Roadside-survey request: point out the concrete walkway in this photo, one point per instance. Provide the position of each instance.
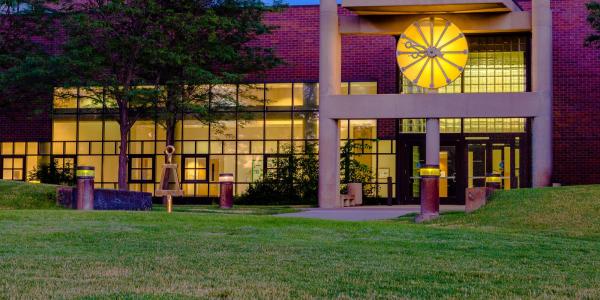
(365, 213)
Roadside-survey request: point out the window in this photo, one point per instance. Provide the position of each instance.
(497, 64)
(13, 168)
(141, 168)
(65, 163)
(273, 165)
(195, 168)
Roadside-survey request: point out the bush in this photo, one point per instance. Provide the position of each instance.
(297, 178)
(49, 173)
(295, 182)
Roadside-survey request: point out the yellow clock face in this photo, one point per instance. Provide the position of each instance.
(432, 52)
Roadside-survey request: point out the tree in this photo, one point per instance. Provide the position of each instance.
(593, 40)
(205, 44)
(108, 45)
(26, 27)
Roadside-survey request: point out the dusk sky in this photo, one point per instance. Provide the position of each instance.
(298, 2)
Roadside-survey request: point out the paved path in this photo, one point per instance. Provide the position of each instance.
(364, 213)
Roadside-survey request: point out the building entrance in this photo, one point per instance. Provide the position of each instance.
(464, 162)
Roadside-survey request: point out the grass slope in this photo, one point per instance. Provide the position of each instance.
(573, 211)
(21, 195)
(69, 254)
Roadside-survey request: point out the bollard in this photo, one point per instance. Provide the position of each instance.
(85, 188)
(430, 193)
(389, 191)
(226, 186)
(493, 181)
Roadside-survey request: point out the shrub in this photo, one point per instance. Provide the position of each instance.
(296, 180)
(49, 173)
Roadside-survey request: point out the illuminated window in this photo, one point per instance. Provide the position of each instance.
(494, 125)
(141, 168)
(363, 88)
(195, 168)
(142, 130)
(90, 130)
(64, 130)
(467, 125)
(252, 95)
(65, 98)
(91, 98)
(251, 129)
(274, 165)
(279, 94)
(496, 64)
(13, 167)
(65, 163)
(194, 130)
(278, 126)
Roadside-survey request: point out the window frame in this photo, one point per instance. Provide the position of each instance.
(278, 156)
(131, 157)
(61, 156)
(183, 168)
(23, 169)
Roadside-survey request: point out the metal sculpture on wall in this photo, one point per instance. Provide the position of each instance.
(432, 52)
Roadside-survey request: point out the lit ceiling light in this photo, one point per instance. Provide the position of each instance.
(432, 52)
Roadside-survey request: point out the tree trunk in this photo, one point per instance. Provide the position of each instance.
(170, 122)
(123, 159)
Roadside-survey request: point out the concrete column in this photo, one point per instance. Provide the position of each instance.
(329, 84)
(432, 142)
(541, 69)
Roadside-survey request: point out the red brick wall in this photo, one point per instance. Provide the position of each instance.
(32, 122)
(297, 43)
(576, 95)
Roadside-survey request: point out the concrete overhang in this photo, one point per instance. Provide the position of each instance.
(468, 23)
(398, 106)
(401, 7)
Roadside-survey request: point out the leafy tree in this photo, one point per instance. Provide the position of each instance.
(593, 40)
(106, 54)
(25, 29)
(204, 44)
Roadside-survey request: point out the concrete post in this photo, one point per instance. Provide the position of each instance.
(541, 60)
(430, 175)
(329, 84)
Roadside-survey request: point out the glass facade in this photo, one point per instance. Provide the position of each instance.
(271, 119)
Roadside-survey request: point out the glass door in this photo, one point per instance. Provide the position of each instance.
(493, 159)
(415, 160)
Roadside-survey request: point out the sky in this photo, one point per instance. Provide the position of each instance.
(298, 2)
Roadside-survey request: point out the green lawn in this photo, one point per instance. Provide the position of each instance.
(525, 244)
(20, 195)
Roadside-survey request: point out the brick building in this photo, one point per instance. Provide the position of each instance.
(73, 131)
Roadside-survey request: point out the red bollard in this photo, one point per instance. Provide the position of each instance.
(430, 194)
(226, 185)
(85, 188)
